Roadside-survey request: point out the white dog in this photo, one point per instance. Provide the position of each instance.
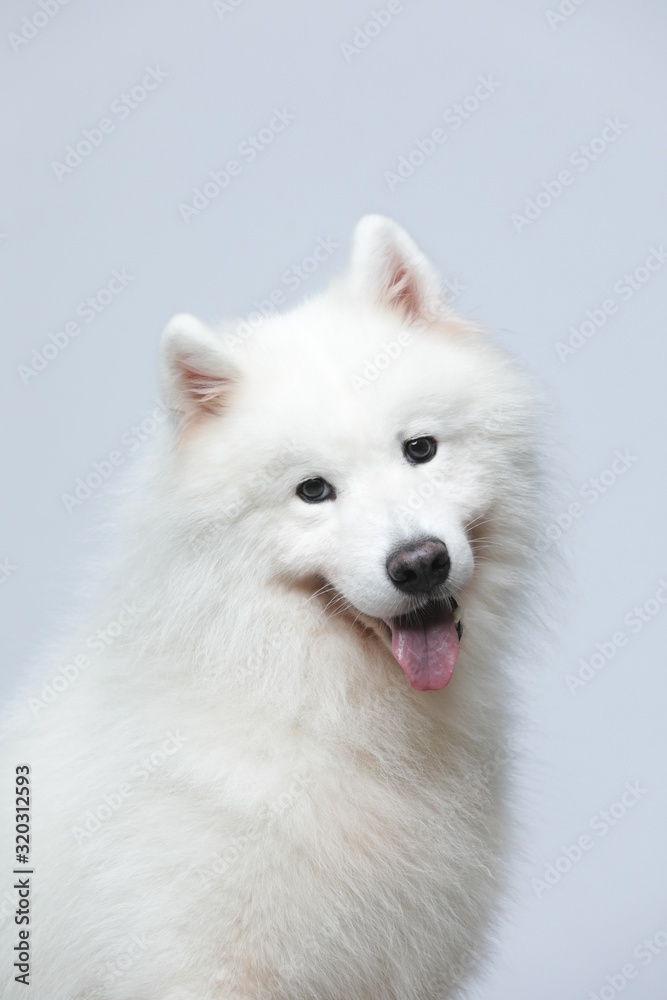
(266, 768)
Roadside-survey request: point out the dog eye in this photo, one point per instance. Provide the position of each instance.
(420, 450)
(315, 490)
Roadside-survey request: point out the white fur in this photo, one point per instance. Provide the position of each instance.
(324, 831)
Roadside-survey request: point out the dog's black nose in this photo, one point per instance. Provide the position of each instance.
(418, 568)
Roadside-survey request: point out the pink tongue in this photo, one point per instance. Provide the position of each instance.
(426, 651)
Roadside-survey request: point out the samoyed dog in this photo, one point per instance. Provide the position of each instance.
(265, 766)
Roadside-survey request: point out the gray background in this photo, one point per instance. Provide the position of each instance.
(355, 117)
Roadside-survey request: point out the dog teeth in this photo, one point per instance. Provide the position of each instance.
(457, 614)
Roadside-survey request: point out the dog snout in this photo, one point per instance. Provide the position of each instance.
(419, 567)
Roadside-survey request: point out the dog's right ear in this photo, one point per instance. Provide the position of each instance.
(196, 373)
(387, 267)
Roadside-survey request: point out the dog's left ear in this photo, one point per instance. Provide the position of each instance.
(197, 375)
(387, 267)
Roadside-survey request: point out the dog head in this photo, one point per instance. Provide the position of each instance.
(368, 443)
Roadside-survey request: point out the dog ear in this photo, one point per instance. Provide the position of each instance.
(196, 373)
(388, 267)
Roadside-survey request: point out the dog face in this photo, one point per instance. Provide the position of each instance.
(368, 442)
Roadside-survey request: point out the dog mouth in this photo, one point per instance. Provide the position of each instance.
(426, 642)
